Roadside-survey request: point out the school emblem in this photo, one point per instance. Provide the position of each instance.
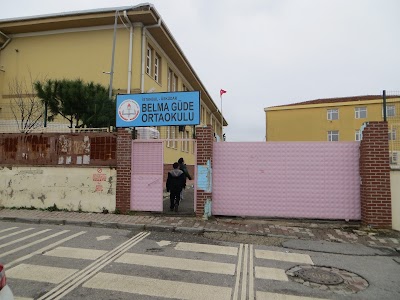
(129, 110)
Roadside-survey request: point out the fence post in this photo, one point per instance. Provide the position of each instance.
(375, 194)
(205, 140)
(124, 153)
(384, 106)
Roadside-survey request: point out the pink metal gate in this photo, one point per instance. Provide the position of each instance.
(287, 179)
(147, 176)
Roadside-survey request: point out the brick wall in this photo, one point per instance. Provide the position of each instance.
(205, 139)
(375, 192)
(124, 153)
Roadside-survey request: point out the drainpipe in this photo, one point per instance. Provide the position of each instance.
(113, 54)
(7, 41)
(128, 91)
(144, 50)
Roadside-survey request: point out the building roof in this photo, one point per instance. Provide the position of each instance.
(338, 100)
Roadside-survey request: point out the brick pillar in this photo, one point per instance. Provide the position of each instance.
(376, 207)
(205, 139)
(124, 152)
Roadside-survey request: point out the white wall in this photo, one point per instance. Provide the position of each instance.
(395, 189)
(86, 189)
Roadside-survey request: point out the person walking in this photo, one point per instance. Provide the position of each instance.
(175, 183)
(183, 168)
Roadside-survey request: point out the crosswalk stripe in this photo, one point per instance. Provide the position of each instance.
(251, 274)
(8, 229)
(177, 263)
(271, 273)
(244, 273)
(77, 253)
(33, 243)
(23, 238)
(77, 279)
(282, 256)
(8, 265)
(274, 296)
(39, 273)
(238, 273)
(203, 248)
(157, 287)
(15, 233)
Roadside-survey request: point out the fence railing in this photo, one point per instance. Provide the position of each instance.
(10, 126)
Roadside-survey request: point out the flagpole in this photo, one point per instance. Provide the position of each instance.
(222, 121)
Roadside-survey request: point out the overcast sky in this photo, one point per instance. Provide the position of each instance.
(271, 52)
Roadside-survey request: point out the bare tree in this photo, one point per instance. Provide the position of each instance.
(28, 110)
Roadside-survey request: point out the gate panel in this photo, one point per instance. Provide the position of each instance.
(293, 180)
(147, 176)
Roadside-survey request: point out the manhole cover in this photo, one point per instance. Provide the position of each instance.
(319, 276)
(328, 279)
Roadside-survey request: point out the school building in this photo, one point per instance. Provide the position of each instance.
(128, 48)
(334, 119)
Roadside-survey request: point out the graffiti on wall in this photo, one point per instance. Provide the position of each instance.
(58, 149)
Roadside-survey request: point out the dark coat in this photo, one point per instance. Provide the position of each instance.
(176, 181)
(184, 169)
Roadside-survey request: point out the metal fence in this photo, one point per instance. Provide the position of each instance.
(391, 113)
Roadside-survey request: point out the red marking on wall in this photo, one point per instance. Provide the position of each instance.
(99, 177)
(99, 188)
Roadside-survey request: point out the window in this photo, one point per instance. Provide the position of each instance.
(361, 112)
(333, 136)
(153, 64)
(392, 135)
(185, 142)
(184, 88)
(157, 60)
(148, 60)
(176, 135)
(168, 136)
(172, 81)
(390, 111)
(333, 114)
(202, 115)
(358, 135)
(394, 157)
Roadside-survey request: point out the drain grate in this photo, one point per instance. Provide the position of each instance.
(319, 276)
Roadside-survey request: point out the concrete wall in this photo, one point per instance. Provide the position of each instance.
(74, 188)
(395, 189)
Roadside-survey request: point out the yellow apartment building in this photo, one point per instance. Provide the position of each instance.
(333, 119)
(128, 48)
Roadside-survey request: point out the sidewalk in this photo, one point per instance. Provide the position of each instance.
(334, 231)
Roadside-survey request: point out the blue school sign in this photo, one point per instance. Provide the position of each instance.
(158, 109)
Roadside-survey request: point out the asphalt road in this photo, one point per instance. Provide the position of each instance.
(71, 262)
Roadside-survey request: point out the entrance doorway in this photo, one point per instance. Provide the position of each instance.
(152, 159)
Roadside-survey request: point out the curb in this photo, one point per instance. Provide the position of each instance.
(191, 230)
(51, 221)
(78, 223)
(130, 226)
(27, 220)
